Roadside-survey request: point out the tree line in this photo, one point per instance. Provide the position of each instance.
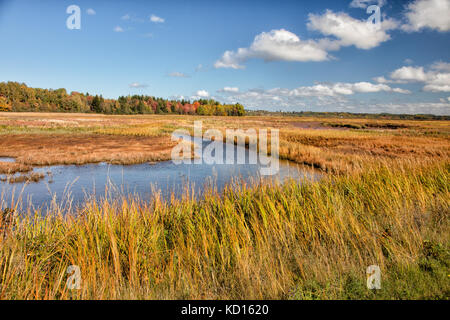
(18, 97)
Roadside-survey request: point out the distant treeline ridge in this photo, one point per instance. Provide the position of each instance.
(19, 97)
(347, 115)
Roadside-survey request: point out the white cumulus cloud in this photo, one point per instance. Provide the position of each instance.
(156, 19)
(408, 61)
(118, 29)
(138, 85)
(441, 66)
(427, 14)
(202, 93)
(435, 79)
(342, 88)
(409, 74)
(330, 97)
(438, 82)
(340, 30)
(90, 12)
(332, 94)
(229, 89)
(365, 3)
(283, 45)
(381, 80)
(178, 75)
(350, 31)
(274, 45)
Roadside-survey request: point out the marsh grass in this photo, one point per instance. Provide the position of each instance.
(44, 150)
(29, 177)
(309, 240)
(330, 144)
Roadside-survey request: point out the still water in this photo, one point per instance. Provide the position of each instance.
(74, 182)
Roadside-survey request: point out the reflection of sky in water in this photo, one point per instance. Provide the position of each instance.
(141, 179)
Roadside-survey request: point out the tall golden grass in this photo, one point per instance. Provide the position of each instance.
(308, 240)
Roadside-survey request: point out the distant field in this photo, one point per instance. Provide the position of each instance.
(330, 144)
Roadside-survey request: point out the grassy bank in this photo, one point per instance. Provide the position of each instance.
(296, 241)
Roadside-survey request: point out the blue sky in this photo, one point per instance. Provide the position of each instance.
(273, 55)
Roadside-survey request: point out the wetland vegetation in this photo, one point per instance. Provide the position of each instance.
(384, 199)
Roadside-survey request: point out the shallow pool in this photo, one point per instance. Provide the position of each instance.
(74, 182)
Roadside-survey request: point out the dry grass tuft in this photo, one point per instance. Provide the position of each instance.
(29, 177)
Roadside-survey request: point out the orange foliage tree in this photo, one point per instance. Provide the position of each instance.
(4, 105)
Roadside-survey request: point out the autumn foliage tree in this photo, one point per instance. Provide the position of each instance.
(4, 105)
(19, 97)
